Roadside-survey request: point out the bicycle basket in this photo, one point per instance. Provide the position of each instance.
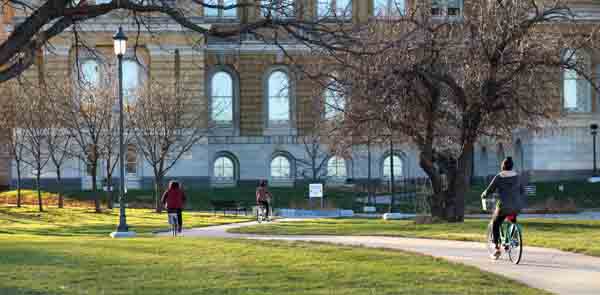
(172, 218)
(488, 205)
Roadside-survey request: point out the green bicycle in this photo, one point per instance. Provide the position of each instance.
(511, 237)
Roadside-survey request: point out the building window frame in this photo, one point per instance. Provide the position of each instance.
(571, 79)
(225, 180)
(279, 127)
(231, 14)
(398, 156)
(328, 9)
(223, 128)
(391, 8)
(290, 165)
(442, 8)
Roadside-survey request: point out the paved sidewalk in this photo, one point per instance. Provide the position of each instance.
(552, 270)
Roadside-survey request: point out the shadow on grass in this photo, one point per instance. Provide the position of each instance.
(22, 291)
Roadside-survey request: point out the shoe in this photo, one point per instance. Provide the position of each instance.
(496, 254)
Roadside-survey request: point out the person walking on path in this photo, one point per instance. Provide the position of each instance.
(509, 187)
(263, 197)
(174, 199)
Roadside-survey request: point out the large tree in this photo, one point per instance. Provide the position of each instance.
(442, 85)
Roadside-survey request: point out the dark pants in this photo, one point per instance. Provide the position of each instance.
(498, 219)
(266, 205)
(179, 218)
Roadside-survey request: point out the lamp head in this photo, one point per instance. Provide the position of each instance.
(594, 128)
(120, 42)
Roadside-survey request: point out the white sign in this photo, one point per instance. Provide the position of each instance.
(315, 190)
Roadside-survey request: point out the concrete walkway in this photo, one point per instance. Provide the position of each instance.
(552, 270)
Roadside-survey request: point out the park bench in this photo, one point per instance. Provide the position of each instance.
(220, 205)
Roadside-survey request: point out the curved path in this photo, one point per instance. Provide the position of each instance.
(552, 270)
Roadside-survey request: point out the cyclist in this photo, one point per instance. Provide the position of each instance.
(510, 189)
(174, 199)
(263, 197)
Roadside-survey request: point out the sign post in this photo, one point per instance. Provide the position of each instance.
(315, 190)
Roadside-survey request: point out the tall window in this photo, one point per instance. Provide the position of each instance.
(387, 166)
(224, 168)
(576, 89)
(131, 80)
(131, 165)
(222, 98)
(335, 101)
(279, 98)
(446, 7)
(389, 8)
(334, 8)
(218, 12)
(277, 8)
(336, 167)
(280, 167)
(90, 73)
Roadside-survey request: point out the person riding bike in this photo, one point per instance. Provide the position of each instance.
(174, 199)
(263, 197)
(510, 189)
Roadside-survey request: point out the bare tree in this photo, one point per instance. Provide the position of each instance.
(166, 124)
(87, 114)
(35, 131)
(59, 139)
(10, 117)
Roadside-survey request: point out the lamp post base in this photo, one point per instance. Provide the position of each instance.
(122, 234)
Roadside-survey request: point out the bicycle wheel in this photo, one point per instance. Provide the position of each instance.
(515, 249)
(491, 246)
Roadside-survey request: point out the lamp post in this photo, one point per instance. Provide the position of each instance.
(594, 132)
(120, 45)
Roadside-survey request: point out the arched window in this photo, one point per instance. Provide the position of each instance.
(224, 168)
(336, 167)
(280, 167)
(388, 8)
(131, 165)
(131, 81)
(335, 101)
(334, 8)
(215, 12)
(576, 89)
(278, 87)
(387, 166)
(90, 73)
(221, 86)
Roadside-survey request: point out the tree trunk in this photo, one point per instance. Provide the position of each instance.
(462, 182)
(18, 184)
(39, 191)
(110, 196)
(158, 188)
(95, 189)
(61, 203)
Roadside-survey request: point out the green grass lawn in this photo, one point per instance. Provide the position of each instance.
(67, 251)
(84, 222)
(201, 266)
(574, 236)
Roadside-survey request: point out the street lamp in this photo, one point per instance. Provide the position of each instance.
(594, 132)
(120, 46)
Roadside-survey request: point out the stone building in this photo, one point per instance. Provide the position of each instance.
(258, 136)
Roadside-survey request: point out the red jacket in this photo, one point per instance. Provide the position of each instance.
(173, 198)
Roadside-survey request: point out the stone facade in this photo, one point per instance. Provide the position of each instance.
(563, 150)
